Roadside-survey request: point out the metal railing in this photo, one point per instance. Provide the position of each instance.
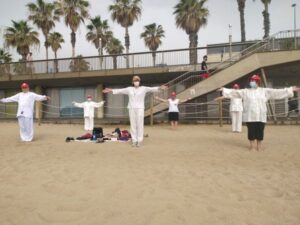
(284, 40)
(168, 58)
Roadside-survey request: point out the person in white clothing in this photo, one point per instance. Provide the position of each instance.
(173, 112)
(136, 106)
(236, 111)
(26, 100)
(88, 111)
(255, 99)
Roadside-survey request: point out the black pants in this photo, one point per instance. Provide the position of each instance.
(255, 131)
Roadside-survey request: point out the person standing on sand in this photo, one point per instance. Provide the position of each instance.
(236, 111)
(173, 112)
(26, 100)
(88, 111)
(255, 99)
(136, 106)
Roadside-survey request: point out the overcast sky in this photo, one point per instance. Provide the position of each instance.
(222, 13)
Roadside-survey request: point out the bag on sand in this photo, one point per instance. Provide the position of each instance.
(97, 133)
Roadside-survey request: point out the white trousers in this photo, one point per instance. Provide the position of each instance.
(236, 121)
(26, 128)
(89, 123)
(136, 117)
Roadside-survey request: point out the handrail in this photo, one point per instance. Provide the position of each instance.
(136, 53)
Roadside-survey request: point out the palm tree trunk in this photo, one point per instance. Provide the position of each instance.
(56, 62)
(193, 45)
(73, 41)
(47, 54)
(127, 44)
(154, 58)
(242, 19)
(115, 62)
(100, 52)
(266, 16)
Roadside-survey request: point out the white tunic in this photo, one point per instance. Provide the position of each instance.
(89, 107)
(173, 105)
(25, 103)
(255, 100)
(136, 95)
(236, 105)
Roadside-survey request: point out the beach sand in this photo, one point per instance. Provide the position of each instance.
(192, 176)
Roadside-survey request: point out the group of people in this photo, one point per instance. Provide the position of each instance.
(247, 105)
(254, 101)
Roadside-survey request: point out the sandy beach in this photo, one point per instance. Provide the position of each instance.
(195, 175)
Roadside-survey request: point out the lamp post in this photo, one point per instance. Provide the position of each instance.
(295, 35)
(230, 40)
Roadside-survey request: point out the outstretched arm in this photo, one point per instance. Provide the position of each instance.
(79, 105)
(156, 89)
(280, 93)
(40, 98)
(161, 99)
(14, 98)
(185, 100)
(124, 91)
(98, 104)
(219, 98)
(231, 93)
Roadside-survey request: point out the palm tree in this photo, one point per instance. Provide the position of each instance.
(241, 4)
(43, 15)
(152, 37)
(125, 12)
(266, 15)
(191, 15)
(5, 59)
(74, 12)
(114, 47)
(99, 34)
(55, 40)
(22, 37)
(79, 64)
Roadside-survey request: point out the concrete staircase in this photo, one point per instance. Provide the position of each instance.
(266, 53)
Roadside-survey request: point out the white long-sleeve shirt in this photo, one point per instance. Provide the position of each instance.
(236, 105)
(25, 102)
(255, 100)
(89, 107)
(136, 95)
